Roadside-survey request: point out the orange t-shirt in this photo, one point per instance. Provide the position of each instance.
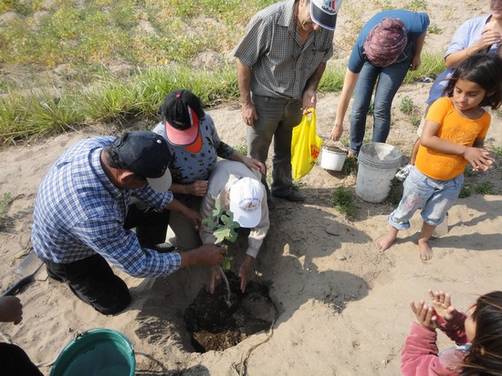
(453, 127)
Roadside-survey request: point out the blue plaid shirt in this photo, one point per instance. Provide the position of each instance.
(79, 212)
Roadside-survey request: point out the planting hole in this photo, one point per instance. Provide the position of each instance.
(214, 325)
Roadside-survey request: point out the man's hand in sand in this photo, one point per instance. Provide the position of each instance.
(214, 279)
(424, 314)
(245, 271)
(206, 254)
(441, 302)
(11, 309)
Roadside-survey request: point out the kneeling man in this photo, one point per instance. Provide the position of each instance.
(86, 205)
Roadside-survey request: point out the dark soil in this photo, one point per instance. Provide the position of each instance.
(216, 326)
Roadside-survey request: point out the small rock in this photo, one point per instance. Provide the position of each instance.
(208, 60)
(332, 230)
(147, 28)
(8, 18)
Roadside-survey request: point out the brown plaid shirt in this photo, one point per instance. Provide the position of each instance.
(281, 65)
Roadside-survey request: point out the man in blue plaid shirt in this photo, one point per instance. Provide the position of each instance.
(86, 205)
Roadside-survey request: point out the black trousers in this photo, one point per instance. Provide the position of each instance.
(14, 361)
(93, 281)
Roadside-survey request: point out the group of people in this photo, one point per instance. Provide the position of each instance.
(103, 187)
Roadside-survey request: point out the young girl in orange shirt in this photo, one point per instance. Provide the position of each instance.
(455, 128)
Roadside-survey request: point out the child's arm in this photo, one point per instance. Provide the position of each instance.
(420, 353)
(479, 158)
(448, 319)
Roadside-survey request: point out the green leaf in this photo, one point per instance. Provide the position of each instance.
(222, 234)
(210, 222)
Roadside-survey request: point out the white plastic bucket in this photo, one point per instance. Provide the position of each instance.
(378, 163)
(332, 159)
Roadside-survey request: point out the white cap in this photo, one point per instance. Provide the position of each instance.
(245, 197)
(323, 12)
(161, 184)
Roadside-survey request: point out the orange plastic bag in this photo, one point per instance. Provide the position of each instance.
(305, 146)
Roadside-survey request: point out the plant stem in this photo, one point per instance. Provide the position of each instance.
(227, 300)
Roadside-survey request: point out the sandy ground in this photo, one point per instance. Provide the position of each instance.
(343, 305)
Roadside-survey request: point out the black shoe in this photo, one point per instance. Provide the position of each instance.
(292, 195)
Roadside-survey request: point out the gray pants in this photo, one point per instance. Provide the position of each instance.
(276, 117)
(187, 237)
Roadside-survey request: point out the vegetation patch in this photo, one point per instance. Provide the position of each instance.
(5, 202)
(343, 201)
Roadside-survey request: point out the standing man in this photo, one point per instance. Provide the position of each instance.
(281, 60)
(86, 205)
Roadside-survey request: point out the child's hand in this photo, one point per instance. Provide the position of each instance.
(441, 302)
(479, 158)
(425, 315)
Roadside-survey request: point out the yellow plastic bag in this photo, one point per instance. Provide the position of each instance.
(305, 146)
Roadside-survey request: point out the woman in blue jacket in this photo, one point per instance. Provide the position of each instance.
(388, 45)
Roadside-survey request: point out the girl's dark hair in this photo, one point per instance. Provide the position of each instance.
(486, 71)
(485, 356)
(174, 109)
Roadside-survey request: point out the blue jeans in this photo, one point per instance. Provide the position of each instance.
(387, 80)
(433, 196)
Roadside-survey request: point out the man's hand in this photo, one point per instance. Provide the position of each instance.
(415, 62)
(442, 304)
(254, 164)
(248, 113)
(11, 309)
(198, 188)
(424, 314)
(479, 158)
(245, 271)
(309, 100)
(207, 254)
(336, 132)
(215, 279)
(193, 216)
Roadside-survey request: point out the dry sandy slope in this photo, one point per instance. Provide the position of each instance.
(344, 307)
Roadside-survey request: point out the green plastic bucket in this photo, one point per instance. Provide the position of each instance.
(97, 352)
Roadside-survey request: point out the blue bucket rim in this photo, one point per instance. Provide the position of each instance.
(79, 336)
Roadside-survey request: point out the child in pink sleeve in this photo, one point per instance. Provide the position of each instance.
(481, 326)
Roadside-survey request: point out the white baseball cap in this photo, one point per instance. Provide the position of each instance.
(323, 12)
(245, 196)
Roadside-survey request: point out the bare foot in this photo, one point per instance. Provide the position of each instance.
(385, 242)
(425, 250)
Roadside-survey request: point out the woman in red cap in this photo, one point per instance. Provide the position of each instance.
(195, 146)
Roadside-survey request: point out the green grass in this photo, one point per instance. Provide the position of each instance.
(434, 29)
(350, 166)
(407, 106)
(432, 64)
(24, 116)
(497, 150)
(466, 191)
(5, 202)
(417, 5)
(241, 148)
(343, 201)
(90, 40)
(484, 188)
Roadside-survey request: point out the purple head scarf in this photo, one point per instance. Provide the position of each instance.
(385, 42)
